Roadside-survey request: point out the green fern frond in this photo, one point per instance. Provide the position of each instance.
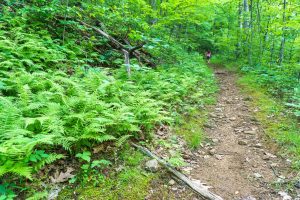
(98, 138)
(122, 140)
(50, 159)
(38, 196)
(19, 169)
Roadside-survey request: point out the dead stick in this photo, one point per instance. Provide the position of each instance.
(203, 192)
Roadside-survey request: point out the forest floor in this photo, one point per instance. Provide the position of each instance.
(239, 161)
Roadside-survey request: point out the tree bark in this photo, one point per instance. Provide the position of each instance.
(282, 46)
(203, 192)
(128, 52)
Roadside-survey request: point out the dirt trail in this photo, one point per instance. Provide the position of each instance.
(237, 164)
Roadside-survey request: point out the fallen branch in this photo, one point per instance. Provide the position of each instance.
(128, 52)
(137, 52)
(203, 192)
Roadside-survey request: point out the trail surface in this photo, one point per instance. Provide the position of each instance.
(238, 164)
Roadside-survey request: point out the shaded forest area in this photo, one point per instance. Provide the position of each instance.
(80, 79)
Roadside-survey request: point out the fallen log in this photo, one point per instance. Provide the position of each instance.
(128, 52)
(202, 191)
(138, 54)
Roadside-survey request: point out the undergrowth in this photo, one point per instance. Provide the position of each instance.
(64, 92)
(130, 181)
(41, 112)
(274, 117)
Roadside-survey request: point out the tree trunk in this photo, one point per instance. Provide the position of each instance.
(127, 62)
(259, 31)
(246, 14)
(239, 32)
(282, 46)
(251, 34)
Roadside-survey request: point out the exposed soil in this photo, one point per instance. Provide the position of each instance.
(238, 162)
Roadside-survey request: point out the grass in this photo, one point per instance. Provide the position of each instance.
(191, 129)
(191, 126)
(278, 123)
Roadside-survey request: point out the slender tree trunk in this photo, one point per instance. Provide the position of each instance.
(127, 62)
(272, 51)
(259, 31)
(239, 32)
(64, 32)
(266, 37)
(246, 14)
(246, 28)
(282, 46)
(292, 50)
(251, 34)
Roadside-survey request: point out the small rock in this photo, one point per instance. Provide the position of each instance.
(208, 144)
(208, 125)
(201, 152)
(245, 109)
(297, 184)
(212, 152)
(171, 182)
(236, 192)
(206, 157)
(248, 198)
(250, 132)
(187, 169)
(174, 188)
(213, 115)
(266, 157)
(285, 196)
(258, 145)
(282, 177)
(219, 109)
(215, 140)
(160, 133)
(274, 165)
(219, 157)
(152, 165)
(279, 180)
(53, 194)
(242, 142)
(248, 98)
(257, 175)
(253, 119)
(232, 118)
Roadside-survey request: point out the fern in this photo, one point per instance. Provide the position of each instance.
(38, 196)
(48, 160)
(19, 169)
(98, 138)
(122, 140)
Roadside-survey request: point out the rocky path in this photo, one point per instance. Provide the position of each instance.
(237, 163)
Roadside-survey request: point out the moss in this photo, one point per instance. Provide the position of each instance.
(131, 183)
(272, 114)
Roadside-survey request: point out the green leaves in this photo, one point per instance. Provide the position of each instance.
(86, 156)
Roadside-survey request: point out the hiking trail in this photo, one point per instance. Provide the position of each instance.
(239, 164)
(237, 161)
